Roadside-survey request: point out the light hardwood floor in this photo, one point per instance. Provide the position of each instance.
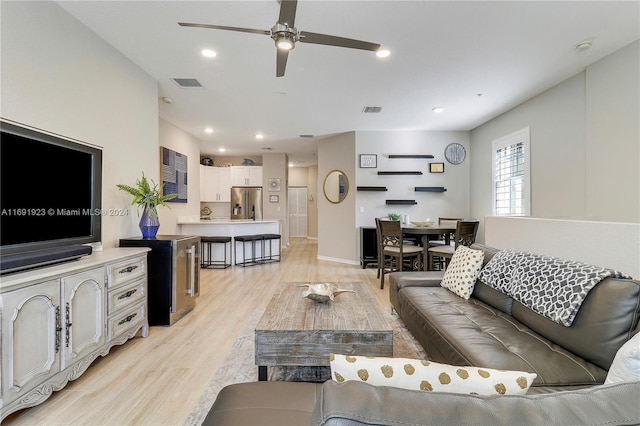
(158, 380)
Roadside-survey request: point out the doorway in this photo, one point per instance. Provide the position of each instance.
(297, 211)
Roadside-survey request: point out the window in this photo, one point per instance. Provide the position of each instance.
(511, 183)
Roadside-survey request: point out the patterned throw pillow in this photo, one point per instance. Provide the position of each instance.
(464, 267)
(417, 374)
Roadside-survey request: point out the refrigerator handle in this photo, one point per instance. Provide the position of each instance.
(190, 269)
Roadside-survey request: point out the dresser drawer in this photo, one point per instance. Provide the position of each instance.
(121, 272)
(127, 319)
(126, 295)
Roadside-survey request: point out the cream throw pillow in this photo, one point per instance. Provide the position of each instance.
(464, 267)
(417, 374)
(626, 363)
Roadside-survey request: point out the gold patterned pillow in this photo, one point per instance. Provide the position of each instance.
(464, 267)
(417, 374)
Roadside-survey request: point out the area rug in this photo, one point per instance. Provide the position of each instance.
(239, 366)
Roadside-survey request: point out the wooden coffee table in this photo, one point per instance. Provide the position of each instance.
(295, 331)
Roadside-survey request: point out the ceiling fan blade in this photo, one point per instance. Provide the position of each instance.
(288, 12)
(315, 38)
(221, 27)
(281, 61)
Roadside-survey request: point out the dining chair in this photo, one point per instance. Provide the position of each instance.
(445, 221)
(466, 231)
(393, 252)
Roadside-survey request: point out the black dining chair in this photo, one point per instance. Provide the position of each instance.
(466, 231)
(393, 253)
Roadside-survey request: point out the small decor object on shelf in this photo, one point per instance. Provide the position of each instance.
(436, 167)
(368, 161)
(323, 292)
(147, 196)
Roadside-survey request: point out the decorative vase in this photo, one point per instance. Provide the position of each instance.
(149, 222)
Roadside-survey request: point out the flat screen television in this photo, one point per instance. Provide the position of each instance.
(50, 197)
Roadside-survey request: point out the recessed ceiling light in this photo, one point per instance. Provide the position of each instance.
(582, 46)
(208, 53)
(437, 109)
(221, 150)
(382, 53)
(208, 130)
(259, 136)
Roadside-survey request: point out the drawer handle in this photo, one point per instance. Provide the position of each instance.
(127, 294)
(128, 269)
(128, 318)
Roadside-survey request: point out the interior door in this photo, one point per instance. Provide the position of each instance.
(298, 212)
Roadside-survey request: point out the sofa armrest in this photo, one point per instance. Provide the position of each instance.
(399, 280)
(355, 403)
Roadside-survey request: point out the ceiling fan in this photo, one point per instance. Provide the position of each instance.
(285, 35)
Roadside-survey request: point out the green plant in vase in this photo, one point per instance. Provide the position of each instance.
(148, 196)
(393, 216)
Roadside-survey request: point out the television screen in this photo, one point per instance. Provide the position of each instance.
(50, 190)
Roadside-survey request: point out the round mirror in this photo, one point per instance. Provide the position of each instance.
(336, 186)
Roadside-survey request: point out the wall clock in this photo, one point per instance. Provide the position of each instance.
(455, 153)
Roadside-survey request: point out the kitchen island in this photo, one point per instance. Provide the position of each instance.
(228, 228)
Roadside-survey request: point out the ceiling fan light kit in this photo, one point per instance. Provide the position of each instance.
(286, 35)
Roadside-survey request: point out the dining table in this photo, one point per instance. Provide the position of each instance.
(424, 232)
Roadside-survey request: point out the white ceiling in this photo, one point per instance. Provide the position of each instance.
(477, 59)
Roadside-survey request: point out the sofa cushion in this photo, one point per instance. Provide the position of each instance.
(605, 321)
(264, 403)
(626, 364)
(469, 332)
(462, 271)
(356, 403)
(430, 376)
(492, 297)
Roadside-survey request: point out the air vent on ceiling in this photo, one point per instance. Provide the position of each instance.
(306, 136)
(266, 148)
(371, 109)
(188, 83)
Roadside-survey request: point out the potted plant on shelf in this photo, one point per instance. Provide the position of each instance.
(393, 216)
(148, 196)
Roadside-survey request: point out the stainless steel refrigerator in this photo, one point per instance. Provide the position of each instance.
(174, 275)
(246, 202)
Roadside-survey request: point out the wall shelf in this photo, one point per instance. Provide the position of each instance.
(401, 202)
(430, 189)
(371, 188)
(410, 156)
(400, 173)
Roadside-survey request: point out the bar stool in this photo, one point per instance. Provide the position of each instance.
(208, 262)
(244, 240)
(267, 240)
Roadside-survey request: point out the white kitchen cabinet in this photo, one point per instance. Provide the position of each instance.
(57, 320)
(246, 176)
(215, 184)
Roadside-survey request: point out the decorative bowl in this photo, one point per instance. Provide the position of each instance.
(423, 224)
(322, 292)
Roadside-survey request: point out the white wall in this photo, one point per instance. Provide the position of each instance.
(178, 140)
(584, 145)
(431, 205)
(337, 233)
(60, 77)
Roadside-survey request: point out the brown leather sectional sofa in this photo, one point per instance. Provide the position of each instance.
(488, 330)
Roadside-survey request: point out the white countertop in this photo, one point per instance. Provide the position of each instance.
(197, 221)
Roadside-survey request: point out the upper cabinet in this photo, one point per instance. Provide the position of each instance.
(246, 176)
(215, 183)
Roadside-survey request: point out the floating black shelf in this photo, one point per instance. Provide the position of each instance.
(401, 202)
(430, 189)
(410, 156)
(371, 188)
(400, 173)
